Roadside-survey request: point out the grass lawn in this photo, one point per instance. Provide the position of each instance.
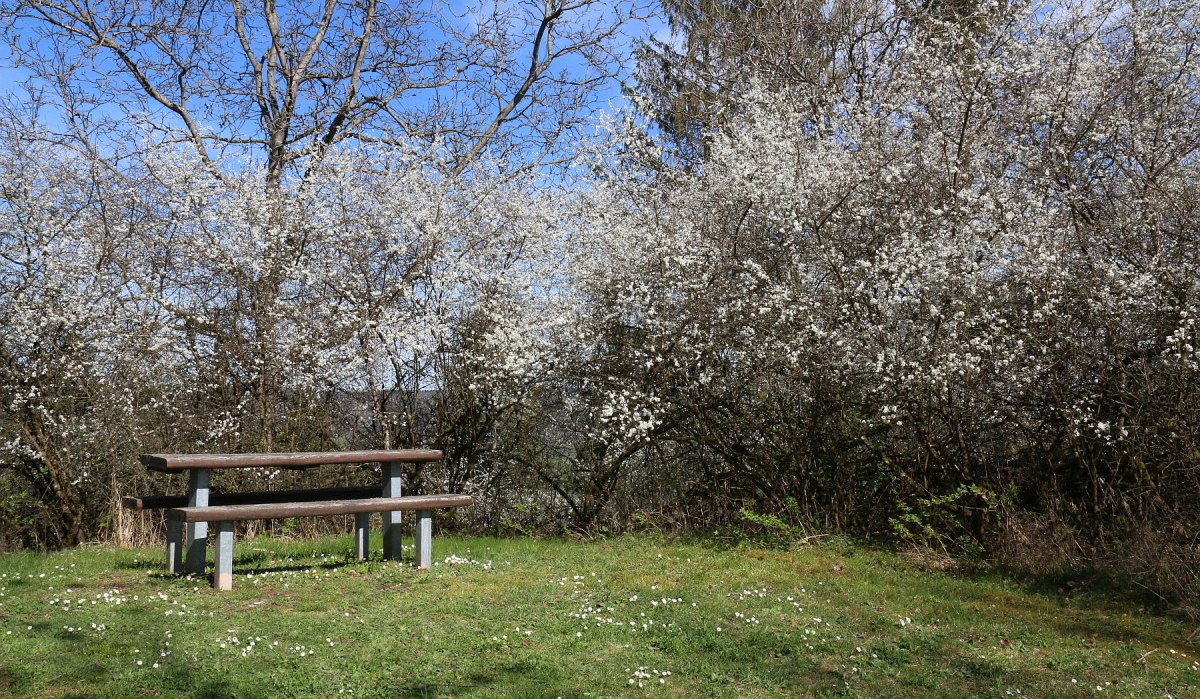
(624, 617)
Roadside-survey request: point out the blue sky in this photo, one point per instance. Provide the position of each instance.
(607, 99)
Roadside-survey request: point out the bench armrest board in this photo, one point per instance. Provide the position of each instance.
(168, 463)
(235, 513)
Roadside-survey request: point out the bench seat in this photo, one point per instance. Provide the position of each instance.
(226, 515)
(280, 510)
(163, 502)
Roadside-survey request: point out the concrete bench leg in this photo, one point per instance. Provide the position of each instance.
(174, 546)
(223, 564)
(392, 543)
(197, 532)
(424, 552)
(362, 536)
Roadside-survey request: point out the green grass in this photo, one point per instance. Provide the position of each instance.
(550, 618)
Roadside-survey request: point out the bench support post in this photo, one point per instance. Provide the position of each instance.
(174, 546)
(197, 532)
(392, 543)
(223, 561)
(362, 536)
(424, 550)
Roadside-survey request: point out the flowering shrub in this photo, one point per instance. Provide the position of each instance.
(964, 277)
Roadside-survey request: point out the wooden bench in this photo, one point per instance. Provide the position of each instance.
(225, 515)
(188, 516)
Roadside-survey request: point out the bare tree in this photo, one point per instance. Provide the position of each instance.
(286, 81)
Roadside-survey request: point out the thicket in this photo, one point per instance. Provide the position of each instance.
(916, 273)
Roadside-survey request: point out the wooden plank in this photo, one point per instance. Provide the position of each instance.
(233, 513)
(164, 502)
(169, 463)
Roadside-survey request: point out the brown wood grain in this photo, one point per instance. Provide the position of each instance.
(161, 502)
(169, 463)
(233, 513)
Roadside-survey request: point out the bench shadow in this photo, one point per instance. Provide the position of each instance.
(244, 568)
(246, 565)
(139, 564)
